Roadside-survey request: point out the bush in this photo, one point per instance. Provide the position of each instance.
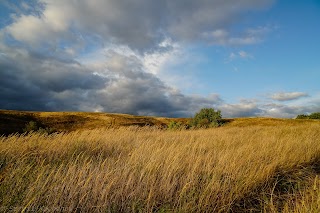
(173, 125)
(302, 116)
(31, 126)
(46, 130)
(207, 117)
(315, 115)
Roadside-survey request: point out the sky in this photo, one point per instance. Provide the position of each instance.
(170, 58)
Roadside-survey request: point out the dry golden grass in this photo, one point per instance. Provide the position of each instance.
(250, 168)
(12, 121)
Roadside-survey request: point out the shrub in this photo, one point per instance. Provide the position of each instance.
(31, 126)
(173, 125)
(302, 116)
(315, 115)
(46, 130)
(207, 117)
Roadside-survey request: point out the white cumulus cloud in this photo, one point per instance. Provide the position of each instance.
(288, 96)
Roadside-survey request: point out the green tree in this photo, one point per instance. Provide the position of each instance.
(207, 117)
(315, 115)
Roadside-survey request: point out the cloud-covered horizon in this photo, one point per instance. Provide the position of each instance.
(100, 55)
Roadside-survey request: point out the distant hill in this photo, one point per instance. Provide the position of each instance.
(14, 121)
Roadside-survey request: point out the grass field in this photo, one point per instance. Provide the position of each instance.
(248, 165)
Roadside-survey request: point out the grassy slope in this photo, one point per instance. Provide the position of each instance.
(14, 121)
(260, 121)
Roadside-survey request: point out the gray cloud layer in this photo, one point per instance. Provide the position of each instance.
(140, 24)
(39, 51)
(39, 47)
(31, 82)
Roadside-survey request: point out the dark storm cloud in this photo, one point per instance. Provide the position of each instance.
(30, 83)
(136, 92)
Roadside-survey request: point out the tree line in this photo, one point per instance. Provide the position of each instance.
(315, 115)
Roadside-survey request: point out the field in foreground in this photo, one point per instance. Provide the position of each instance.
(228, 169)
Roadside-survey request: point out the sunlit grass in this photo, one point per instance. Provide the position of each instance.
(227, 169)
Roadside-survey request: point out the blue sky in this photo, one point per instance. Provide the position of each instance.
(167, 58)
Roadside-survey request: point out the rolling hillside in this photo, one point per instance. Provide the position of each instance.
(248, 165)
(14, 121)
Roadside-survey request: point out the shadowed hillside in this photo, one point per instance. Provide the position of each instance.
(14, 121)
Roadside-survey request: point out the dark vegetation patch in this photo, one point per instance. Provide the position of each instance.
(315, 115)
(14, 123)
(64, 122)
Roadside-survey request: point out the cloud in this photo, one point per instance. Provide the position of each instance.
(120, 84)
(192, 20)
(242, 109)
(292, 110)
(288, 96)
(241, 54)
(106, 55)
(283, 111)
(263, 108)
(244, 54)
(153, 22)
(31, 82)
(135, 91)
(226, 37)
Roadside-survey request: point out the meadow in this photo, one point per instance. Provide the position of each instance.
(248, 165)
